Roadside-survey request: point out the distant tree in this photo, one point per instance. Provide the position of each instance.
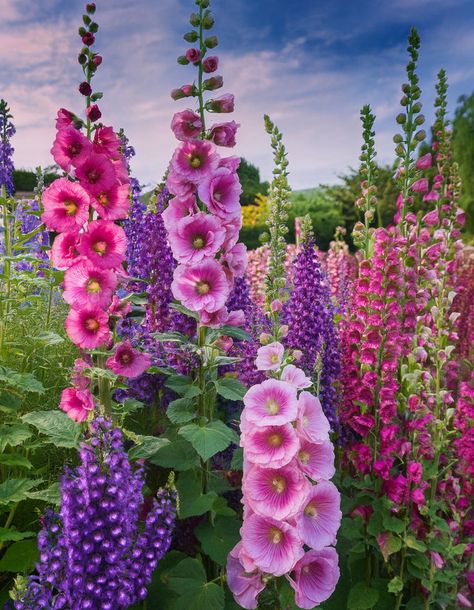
(250, 180)
(463, 152)
(326, 214)
(25, 179)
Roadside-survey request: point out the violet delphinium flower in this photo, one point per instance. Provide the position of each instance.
(7, 130)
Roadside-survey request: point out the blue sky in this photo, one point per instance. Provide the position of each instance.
(310, 64)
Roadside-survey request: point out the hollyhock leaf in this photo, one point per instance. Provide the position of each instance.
(15, 490)
(415, 603)
(185, 310)
(20, 557)
(413, 543)
(208, 596)
(25, 382)
(129, 406)
(181, 411)
(148, 446)
(50, 495)
(389, 544)
(230, 388)
(174, 337)
(351, 529)
(362, 597)
(186, 576)
(59, 429)
(15, 459)
(286, 596)
(235, 332)
(217, 540)
(393, 524)
(220, 507)
(192, 502)
(47, 338)
(237, 462)
(9, 402)
(376, 523)
(14, 435)
(10, 534)
(182, 385)
(178, 455)
(209, 439)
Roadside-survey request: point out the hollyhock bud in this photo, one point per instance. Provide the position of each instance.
(93, 113)
(265, 338)
(213, 83)
(97, 60)
(88, 39)
(297, 355)
(85, 88)
(210, 64)
(193, 55)
(211, 42)
(225, 103)
(90, 8)
(223, 134)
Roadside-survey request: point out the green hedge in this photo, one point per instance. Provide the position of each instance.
(25, 180)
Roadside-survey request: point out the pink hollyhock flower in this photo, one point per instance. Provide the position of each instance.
(317, 459)
(88, 286)
(224, 103)
(292, 374)
(186, 125)
(179, 186)
(274, 546)
(64, 251)
(425, 161)
(232, 228)
(178, 208)
(245, 586)
(77, 404)
(420, 186)
(128, 362)
(397, 489)
(63, 118)
(315, 577)
(236, 318)
(121, 171)
(210, 64)
(114, 203)
(277, 493)
(223, 134)
(321, 516)
(230, 163)
(66, 206)
(96, 173)
(220, 191)
(195, 160)
(273, 446)
(78, 379)
(201, 287)
(70, 148)
(312, 424)
(118, 308)
(88, 328)
(196, 237)
(107, 142)
(216, 319)
(270, 357)
(104, 244)
(236, 260)
(271, 403)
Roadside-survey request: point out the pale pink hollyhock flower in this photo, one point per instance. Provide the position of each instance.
(231, 163)
(292, 374)
(64, 251)
(223, 134)
(186, 125)
(118, 308)
(236, 259)
(271, 446)
(196, 237)
(220, 191)
(274, 545)
(70, 148)
(107, 142)
(201, 287)
(245, 586)
(425, 161)
(271, 403)
(317, 459)
(66, 206)
(270, 357)
(96, 173)
(321, 516)
(88, 328)
(178, 208)
(86, 285)
(77, 404)
(232, 228)
(128, 362)
(63, 118)
(420, 186)
(216, 319)
(224, 103)
(78, 379)
(179, 186)
(312, 424)
(315, 577)
(114, 203)
(431, 219)
(104, 244)
(195, 160)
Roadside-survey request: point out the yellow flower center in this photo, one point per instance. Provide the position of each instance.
(93, 285)
(100, 247)
(272, 406)
(274, 358)
(202, 287)
(91, 324)
(275, 535)
(279, 484)
(103, 199)
(198, 242)
(303, 456)
(71, 207)
(275, 440)
(310, 510)
(195, 161)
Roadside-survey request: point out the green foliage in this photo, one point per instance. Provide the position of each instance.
(249, 177)
(25, 179)
(58, 428)
(463, 151)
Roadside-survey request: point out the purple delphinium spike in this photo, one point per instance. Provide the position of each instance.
(7, 131)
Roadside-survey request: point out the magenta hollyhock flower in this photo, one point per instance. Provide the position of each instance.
(315, 577)
(88, 328)
(224, 103)
(321, 516)
(107, 142)
(274, 546)
(114, 203)
(425, 161)
(121, 170)
(66, 206)
(292, 374)
(273, 446)
(118, 308)
(420, 186)
(216, 319)
(96, 173)
(220, 191)
(223, 134)
(70, 148)
(201, 287)
(128, 362)
(196, 237)
(271, 403)
(312, 424)
(236, 259)
(194, 160)
(210, 64)
(104, 244)
(77, 404)
(186, 125)
(79, 380)
(270, 357)
(178, 208)
(64, 251)
(232, 228)
(245, 586)
(277, 493)
(63, 118)
(317, 459)
(88, 286)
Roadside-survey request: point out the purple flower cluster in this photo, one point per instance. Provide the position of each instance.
(7, 130)
(94, 555)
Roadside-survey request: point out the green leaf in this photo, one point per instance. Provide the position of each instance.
(209, 439)
(192, 502)
(47, 338)
(15, 490)
(230, 388)
(184, 310)
(59, 429)
(20, 557)
(129, 406)
(392, 523)
(24, 382)
(50, 495)
(182, 385)
(15, 459)
(148, 447)
(208, 596)
(188, 579)
(218, 540)
(186, 576)
(235, 332)
(351, 529)
(362, 597)
(237, 462)
(96, 372)
(415, 603)
(389, 544)
(181, 411)
(10, 534)
(413, 543)
(14, 435)
(178, 455)
(9, 402)
(395, 586)
(173, 337)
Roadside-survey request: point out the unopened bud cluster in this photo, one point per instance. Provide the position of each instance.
(89, 61)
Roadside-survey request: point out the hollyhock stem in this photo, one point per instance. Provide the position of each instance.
(202, 48)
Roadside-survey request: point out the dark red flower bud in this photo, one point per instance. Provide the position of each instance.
(193, 55)
(88, 39)
(93, 113)
(97, 60)
(85, 88)
(90, 8)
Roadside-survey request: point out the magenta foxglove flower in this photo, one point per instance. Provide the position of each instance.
(271, 403)
(425, 161)
(104, 244)
(64, 251)
(420, 186)
(96, 173)
(244, 585)
(112, 204)
(223, 134)
(195, 160)
(71, 147)
(88, 328)
(220, 191)
(292, 374)
(88, 286)
(76, 403)
(312, 424)
(273, 446)
(107, 142)
(315, 577)
(270, 357)
(321, 516)
(66, 206)
(274, 545)
(127, 361)
(196, 237)
(317, 459)
(186, 125)
(201, 287)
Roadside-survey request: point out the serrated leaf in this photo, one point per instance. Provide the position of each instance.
(181, 411)
(59, 429)
(362, 597)
(51, 494)
(208, 440)
(15, 459)
(24, 382)
(178, 455)
(13, 491)
(20, 556)
(10, 534)
(230, 388)
(148, 447)
(217, 540)
(9, 402)
(182, 385)
(14, 435)
(413, 543)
